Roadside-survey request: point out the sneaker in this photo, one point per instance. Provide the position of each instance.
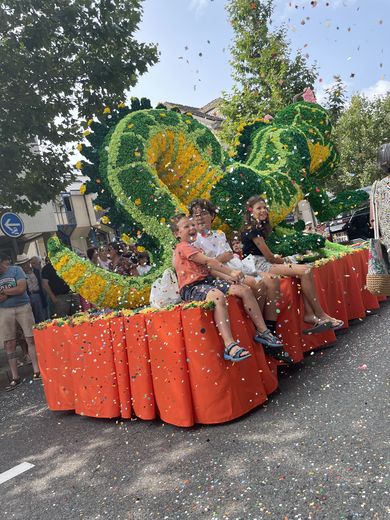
(267, 339)
(13, 384)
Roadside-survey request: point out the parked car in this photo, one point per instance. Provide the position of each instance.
(349, 227)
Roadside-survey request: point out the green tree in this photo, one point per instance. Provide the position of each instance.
(61, 61)
(266, 76)
(335, 98)
(358, 133)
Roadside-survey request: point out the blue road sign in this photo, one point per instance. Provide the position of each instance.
(11, 225)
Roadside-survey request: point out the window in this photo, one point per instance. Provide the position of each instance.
(67, 203)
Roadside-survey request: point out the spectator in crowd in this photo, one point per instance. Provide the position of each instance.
(36, 263)
(380, 197)
(34, 288)
(118, 262)
(15, 308)
(93, 256)
(103, 258)
(130, 252)
(64, 302)
(143, 263)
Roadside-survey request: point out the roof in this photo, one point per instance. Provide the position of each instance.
(212, 105)
(199, 112)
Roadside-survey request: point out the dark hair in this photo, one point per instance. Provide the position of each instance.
(175, 221)
(144, 254)
(90, 252)
(202, 204)
(251, 222)
(235, 236)
(117, 247)
(4, 256)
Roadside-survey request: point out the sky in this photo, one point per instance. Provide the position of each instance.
(344, 37)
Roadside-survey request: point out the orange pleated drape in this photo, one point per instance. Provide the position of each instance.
(170, 363)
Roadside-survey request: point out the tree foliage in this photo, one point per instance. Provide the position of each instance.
(60, 61)
(359, 132)
(265, 73)
(335, 98)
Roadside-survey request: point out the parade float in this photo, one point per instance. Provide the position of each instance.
(146, 165)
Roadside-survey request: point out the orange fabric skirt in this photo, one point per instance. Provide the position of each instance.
(169, 364)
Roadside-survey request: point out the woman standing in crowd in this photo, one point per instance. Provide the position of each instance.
(380, 196)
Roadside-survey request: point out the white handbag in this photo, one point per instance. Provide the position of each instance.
(165, 290)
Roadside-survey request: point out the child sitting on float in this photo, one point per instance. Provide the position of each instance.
(195, 272)
(235, 244)
(256, 230)
(215, 245)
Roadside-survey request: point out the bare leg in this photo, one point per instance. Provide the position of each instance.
(32, 353)
(313, 309)
(221, 317)
(259, 290)
(250, 304)
(272, 284)
(10, 348)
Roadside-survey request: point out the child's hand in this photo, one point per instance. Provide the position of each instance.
(237, 276)
(278, 259)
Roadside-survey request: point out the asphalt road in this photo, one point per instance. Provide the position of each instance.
(317, 450)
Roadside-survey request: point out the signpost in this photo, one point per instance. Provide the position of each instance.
(11, 225)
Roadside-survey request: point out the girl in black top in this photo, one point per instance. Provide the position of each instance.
(254, 235)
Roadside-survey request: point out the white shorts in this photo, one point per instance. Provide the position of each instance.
(253, 264)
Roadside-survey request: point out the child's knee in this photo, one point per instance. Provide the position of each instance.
(216, 296)
(244, 291)
(306, 270)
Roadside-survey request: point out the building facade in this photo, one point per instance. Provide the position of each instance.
(71, 216)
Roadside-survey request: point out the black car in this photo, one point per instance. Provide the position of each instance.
(353, 226)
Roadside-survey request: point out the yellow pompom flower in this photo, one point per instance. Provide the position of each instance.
(79, 147)
(86, 133)
(121, 105)
(78, 165)
(107, 110)
(138, 202)
(126, 238)
(83, 189)
(105, 220)
(141, 249)
(97, 207)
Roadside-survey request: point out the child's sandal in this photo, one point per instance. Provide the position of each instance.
(237, 355)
